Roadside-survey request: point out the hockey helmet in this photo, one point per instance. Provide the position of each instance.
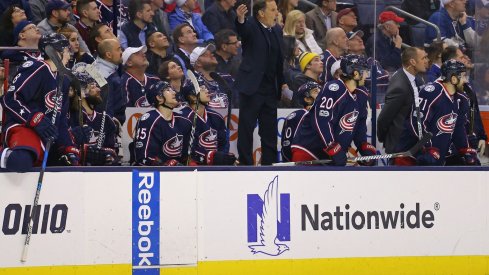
(56, 40)
(351, 63)
(155, 90)
(305, 91)
(451, 68)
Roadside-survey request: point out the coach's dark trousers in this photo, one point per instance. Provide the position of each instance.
(262, 107)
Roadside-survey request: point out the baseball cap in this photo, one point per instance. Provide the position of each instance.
(130, 51)
(389, 16)
(56, 5)
(444, 2)
(350, 35)
(305, 58)
(19, 28)
(344, 12)
(198, 51)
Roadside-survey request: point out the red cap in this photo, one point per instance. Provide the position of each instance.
(344, 12)
(388, 16)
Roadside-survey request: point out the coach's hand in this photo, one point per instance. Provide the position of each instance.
(241, 13)
(43, 127)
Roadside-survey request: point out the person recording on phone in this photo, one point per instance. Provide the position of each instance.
(455, 26)
(388, 42)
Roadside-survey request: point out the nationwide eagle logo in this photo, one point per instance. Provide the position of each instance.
(173, 147)
(274, 224)
(446, 124)
(208, 139)
(348, 121)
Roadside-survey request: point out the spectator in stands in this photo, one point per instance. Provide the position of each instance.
(220, 15)
(311, 68)
(453, 23)
(27, 35)
(108, 61)
(421, 8)
(89, 16)
(134, 32)
(227, 46)
(434, 52)
(157, 53)
(58, 17)
(481, 16)
(77, 55)
(388, 41)
(160, 19)
(286, 6)
(172, 72)
(107, 11)
(38, 8)
(185, 40)
(10, 18)
(291, 64)
(184, 14)
(295, 25)
(134, 81)
(336, 46)
(98, 33)
(347, 19)
(321, 19)
(22, 4)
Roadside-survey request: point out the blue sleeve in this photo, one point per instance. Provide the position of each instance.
(244, 30)
(173, 20)
(325, 112)
(360, 135)
(122, 39)
(210, 19)
(204, 34)
(64, 138)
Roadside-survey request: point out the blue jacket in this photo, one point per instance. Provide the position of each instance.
(385, 52)
(177, 17)
(443, 20)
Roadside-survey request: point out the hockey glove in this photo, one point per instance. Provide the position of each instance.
(469, 157)
(337, 155)
(220, 158)
(99, 157)
(43, 127)
(172, 162)
(81, 134)
(367, 149)
(429, 157)
(70, 157)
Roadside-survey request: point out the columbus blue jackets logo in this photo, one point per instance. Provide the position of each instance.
(208, 139)
(348, 121)
(446, 124)
(173, 147)
(429, 88)
(334, 87)
(218, 100)
(142, 102)
(50, 100)
(274, 224)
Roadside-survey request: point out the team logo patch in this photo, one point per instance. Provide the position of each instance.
(139, 144)
(348, 121)
(142, 102)
(324, 113)
(446, 124)
(27, 64)
(145, 116)
(218, 100)
(291, 116)
(429, 88)
(208, 139)
(15, 78)
(50, 100)
(11, 88)
(173, 147)
(334, 87)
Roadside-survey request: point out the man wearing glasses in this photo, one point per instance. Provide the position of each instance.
(227, 52)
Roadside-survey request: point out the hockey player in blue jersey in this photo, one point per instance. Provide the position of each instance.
(210, 130)
(29, 106)
(443, 114)
(337, 118)
(99, 146)
(308, 93)
(161, 137)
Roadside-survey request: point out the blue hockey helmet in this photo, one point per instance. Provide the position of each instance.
(56, 40)
(451, 68)
(304, 91)
(351, 63)
(155, 90)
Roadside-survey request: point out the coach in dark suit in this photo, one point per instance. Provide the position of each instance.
(400, 97)
(259, 80)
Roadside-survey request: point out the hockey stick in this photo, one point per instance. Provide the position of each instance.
(195, 83)
(226, 87)
(53, 55)
(411, 152)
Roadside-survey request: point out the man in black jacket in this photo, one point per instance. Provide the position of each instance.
(400, 96)
(220, 15)
(259, 80)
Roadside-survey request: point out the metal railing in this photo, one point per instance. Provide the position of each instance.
(418, 19)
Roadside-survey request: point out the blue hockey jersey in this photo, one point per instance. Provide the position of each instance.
(136, 90)
(289, 130)
(157, 140)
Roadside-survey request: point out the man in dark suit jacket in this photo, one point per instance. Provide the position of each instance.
(259, 80)
(321, 19)
(400, 98)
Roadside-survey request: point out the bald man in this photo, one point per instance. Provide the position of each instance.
(336, 45)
